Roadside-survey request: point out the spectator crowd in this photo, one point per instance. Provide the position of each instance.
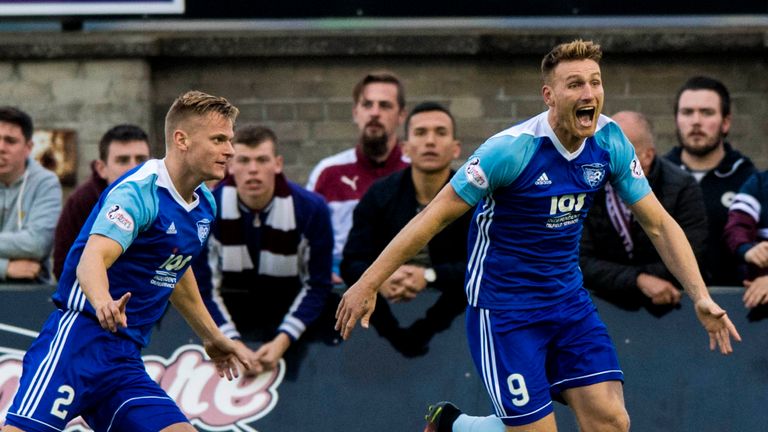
(277, 248)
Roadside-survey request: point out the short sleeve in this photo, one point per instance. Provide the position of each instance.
(627, 173)
(126, 211)
(496, 163)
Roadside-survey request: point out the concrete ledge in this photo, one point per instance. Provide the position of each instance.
(345, 38)
(50, 46)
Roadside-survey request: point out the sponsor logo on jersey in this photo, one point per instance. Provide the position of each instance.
(543, 180)
(594, 174)
(120, 217)
(636, 169)
(171, 229)
(203, 229)
(210, 402)
(166, 276)
(475, 174)
(565, 210)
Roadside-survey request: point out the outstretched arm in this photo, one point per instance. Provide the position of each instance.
(360, 299)
(99, 254)
(224, 352)
(676, 252)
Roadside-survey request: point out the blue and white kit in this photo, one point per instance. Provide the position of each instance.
(523, 282)
(77, 368)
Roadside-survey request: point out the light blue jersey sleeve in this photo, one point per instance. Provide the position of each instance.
(496, 163)
(627, 173)
(128, 209)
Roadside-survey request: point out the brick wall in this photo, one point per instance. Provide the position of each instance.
(308, 101)
(300, 82)
(88, 96)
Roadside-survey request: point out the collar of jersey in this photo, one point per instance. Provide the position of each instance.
(164, 180)
(558, 145)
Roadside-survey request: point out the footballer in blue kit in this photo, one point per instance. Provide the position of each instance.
(524, 261)
(532, 328)
(131, 257)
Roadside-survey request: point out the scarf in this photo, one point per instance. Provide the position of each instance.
(278, 235)
(621, 218)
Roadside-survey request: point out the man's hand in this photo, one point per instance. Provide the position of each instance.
(269, 354)
(393, 288)
(404, 284)
(414, 282)
(226, 354)
(357, 303)
(758, 255)
(659, 290)
(718, 325)
(756, 293)
(22, 269)
(111, 313)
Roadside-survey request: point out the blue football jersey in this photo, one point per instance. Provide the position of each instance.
(532, 196)
(160, 234)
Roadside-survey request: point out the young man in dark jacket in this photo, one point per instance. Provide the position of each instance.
(387, 207)
(703, 120)
(617, 258)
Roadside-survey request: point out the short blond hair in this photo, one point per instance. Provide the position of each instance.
(197, 103)
(575, 50)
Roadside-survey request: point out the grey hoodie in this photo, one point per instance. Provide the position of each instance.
(26, 228)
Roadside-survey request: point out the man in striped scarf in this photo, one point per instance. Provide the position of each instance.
(267, 272)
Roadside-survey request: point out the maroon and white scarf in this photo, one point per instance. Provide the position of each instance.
(621, 218)
(278, 256)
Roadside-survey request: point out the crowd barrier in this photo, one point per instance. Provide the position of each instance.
(673, 382)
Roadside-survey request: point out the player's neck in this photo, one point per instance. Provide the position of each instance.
(182, 178)
(428, 184)
(570, 141)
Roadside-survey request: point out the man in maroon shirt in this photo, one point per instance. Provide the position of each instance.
(344, 177)
(120, 149)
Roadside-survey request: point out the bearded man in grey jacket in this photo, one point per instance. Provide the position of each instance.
(30, 203)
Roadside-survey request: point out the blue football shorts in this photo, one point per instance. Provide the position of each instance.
(74, 368)
(527, 358)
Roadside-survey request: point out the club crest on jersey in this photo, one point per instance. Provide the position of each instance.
(636, 169)
(594, 174)
(475, 174)
(203, 229)
(119, 217)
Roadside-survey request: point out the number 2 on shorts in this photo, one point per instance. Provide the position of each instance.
(69, 396)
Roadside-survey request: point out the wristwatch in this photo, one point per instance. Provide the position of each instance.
(429, 275)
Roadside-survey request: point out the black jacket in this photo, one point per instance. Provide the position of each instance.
(720, 186)
(383, 211)
(604, 261)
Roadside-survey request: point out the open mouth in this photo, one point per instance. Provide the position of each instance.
(585, 116)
